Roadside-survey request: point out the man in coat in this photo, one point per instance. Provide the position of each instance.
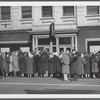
(65, 65)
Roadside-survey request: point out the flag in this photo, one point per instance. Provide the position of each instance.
(52, 32)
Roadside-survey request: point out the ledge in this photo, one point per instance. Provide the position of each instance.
(26, 19)
(46, 18)
(2, 21)
(65, 17)
(93, 15)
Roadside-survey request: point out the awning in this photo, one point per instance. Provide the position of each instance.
(15, 37)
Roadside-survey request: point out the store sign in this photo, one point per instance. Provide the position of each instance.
(5, 50)
(25, 49)
(94, 48)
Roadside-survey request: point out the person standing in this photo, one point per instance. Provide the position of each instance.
(65, 65)
(95, 60)
(41, 65)
(51, 65)
(15, 64)
(29, 63)
(57, 64)
(7, 63)
(74, 65)
(81, 64)
(46, 57)
(22, 64)
(87, 65)
(2, 65)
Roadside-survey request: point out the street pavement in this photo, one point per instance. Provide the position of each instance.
(24, 85)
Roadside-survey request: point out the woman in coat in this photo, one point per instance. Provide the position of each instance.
(46, 56)
(51, 65)
(2, 65)
(41, 65)
(29, 63)
(80, 62)
(74, 65)
(65, 65)
(22, 64)
(87, 65)
(7, 59)
(11, 64)
(57, 64)
(95, 60)
(15, 64)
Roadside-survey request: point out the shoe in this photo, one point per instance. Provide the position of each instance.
(66, 80)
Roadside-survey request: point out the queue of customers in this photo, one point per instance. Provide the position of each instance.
(68, 65)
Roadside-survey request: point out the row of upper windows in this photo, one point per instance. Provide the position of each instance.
(47, 11)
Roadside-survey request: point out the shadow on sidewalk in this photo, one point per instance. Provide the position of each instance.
(58, 91)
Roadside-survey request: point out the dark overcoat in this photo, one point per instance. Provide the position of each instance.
(99, 63)
(29, 62)
(46, 57)
(87, 64)
(74, 64)
(41, 65)
(95, 60)
(51, 66)
(80, 67)
(57, 64)
(36, 64)
(1, 62)
(7, 64)
(22, 64)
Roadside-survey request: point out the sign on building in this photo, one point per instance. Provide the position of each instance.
(94, 48)
(25, 49)
(5, 49)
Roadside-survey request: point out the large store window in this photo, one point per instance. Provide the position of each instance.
(5, 13)
(65, 40)
(47, 11)
(26, 12)
(92, 10)
(68, 10)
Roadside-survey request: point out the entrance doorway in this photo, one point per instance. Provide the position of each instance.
(93, 46)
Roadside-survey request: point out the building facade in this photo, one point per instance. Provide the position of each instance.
(27, 27)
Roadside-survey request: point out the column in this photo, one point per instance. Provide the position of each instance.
(33, 44)
(57, 43)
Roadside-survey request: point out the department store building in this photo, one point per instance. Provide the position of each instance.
(27, 28)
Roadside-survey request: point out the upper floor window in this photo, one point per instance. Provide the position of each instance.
(92, 10)
(47, 11)
(26, 12)
(68, 10)
(5, 13)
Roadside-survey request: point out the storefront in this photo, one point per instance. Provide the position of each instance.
(89, 39)
(65, 40)
(12, 41)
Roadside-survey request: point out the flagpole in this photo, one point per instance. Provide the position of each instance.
(51, 42)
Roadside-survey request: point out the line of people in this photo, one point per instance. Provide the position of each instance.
(43, 64)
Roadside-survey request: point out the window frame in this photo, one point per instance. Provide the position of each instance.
(68, 15)
(93, 14)
(7, 13)
(46, 16)
(22, 12)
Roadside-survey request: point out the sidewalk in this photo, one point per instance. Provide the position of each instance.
(48, 86)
